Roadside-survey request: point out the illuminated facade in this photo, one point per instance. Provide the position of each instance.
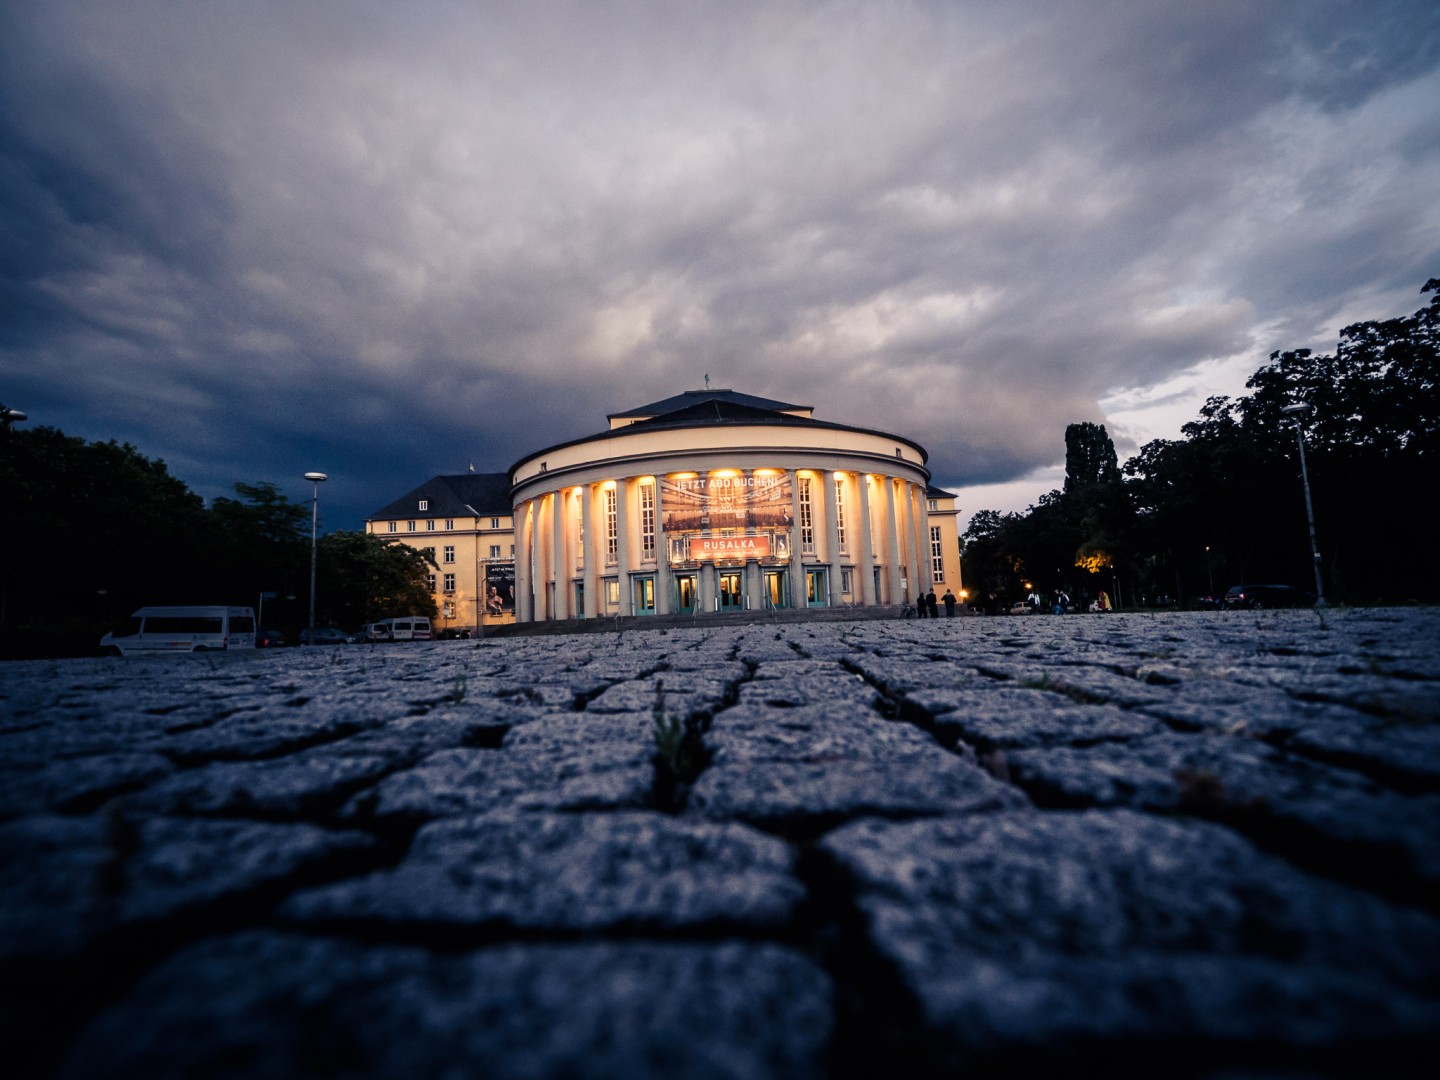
(714, 501)
(464, 523)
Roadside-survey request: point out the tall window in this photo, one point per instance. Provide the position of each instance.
(612, 525)
(494, 551)
(449, 553)
(429, 524)
(394, 526)
(449, 523)
(647, 521)
(807, 521)
(840, 513)
(429, 551)
(494, 523)
(430, 582)
(449, 582)
(410, 526)
(937, 554)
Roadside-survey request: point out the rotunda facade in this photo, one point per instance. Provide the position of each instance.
(714, 501)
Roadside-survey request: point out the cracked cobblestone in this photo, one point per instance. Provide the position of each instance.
(1201, 844)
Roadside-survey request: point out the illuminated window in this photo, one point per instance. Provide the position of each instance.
(937, 554)
(840, 513)
(647, 521)
(612, 525)
(807, 522)
(449, 610)
(430, 582)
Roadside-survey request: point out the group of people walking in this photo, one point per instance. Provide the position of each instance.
(928, 607)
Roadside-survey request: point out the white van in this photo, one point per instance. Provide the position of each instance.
(402, 628)
(183, 629)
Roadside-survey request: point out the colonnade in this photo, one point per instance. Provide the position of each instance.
(598, 547)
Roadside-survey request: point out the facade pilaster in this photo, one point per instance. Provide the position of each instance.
(560, 590)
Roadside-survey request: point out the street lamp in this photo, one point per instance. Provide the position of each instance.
(1297, 411)
(315, 478)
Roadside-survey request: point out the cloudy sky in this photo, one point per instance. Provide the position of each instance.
(387, 240)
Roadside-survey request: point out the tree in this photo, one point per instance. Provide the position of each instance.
(362, 578)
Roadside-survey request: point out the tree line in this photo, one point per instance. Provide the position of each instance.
(94, 530)
(1225, 504)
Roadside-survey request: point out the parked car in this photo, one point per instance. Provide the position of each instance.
(269, 639)
(1267, 596)
(325, 635)
(1210, 603)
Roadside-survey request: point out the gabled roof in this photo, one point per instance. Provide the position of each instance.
(690, 399)
(461, 495)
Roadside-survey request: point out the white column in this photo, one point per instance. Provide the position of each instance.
(664, 584)
(892, 541)
(624, 498)
(560, 530)
(797, 555)
(593, 528)
(923, 572)
(865, 587)
(524, 604)
(832, 533)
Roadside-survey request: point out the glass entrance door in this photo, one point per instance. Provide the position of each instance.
(685, 594)
(645, 595)
(731, 596)
(816, 593)
(775, 589)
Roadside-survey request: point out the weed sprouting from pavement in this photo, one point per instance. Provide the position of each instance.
(457, 690)
(679, 753)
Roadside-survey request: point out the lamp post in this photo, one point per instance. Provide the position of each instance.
(315, 479)
(1298, 411)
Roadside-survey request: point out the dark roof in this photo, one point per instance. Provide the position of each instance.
(475, 494)
(691, 398)
(717, 410)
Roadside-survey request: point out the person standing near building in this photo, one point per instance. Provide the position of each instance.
(950, 602)
(932, 604)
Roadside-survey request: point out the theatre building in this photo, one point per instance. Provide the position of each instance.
(715, 501)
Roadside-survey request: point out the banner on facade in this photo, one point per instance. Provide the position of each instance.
(706, 504)
(729, 547)
(499, 588)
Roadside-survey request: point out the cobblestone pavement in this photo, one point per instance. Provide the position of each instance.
(1190, 844)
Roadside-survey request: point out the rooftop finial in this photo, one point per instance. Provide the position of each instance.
(707, 380)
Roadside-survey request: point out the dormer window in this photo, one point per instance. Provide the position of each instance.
(425, 503)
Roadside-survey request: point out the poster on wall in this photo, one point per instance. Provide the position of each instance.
(499, 588)
(705, 504)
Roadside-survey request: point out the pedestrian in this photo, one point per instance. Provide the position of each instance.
(932, 604)
(950, 602)
(920, 609)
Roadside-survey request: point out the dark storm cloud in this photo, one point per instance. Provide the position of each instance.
(386, 240)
